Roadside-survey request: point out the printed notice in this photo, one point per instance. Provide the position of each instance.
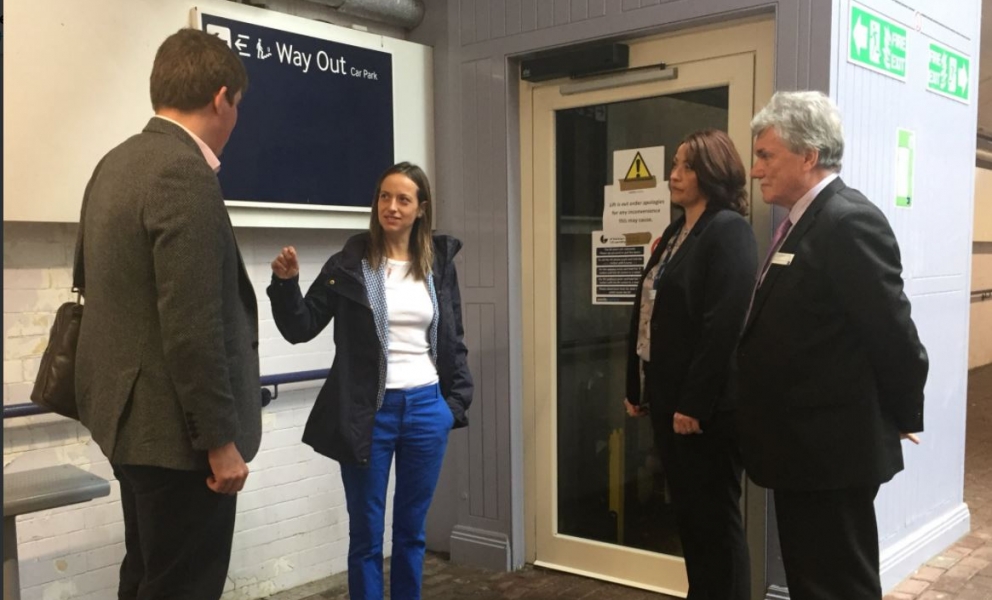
(636, 211)
(617, 262)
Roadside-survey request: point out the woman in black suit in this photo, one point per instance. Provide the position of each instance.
(690, 308)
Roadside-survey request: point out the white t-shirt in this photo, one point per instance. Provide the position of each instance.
(410, 310)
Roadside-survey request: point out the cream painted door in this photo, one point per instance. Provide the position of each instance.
(596, 493)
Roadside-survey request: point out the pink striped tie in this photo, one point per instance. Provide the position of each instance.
(780, 232)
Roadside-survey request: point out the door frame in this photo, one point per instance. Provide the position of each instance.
(752, 37)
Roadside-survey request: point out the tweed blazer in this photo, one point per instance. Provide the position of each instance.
(167, 363)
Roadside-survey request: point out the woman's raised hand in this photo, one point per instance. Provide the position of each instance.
(285, 265)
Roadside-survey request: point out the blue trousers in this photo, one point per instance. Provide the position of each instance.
(413, 424)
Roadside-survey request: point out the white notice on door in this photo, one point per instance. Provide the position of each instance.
(617, 262)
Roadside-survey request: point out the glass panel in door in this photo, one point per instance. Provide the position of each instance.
(610, 484)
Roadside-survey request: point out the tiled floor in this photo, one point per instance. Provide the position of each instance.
(446, 581)
(962, 572)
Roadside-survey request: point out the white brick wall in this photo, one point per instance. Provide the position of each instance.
(292, 525)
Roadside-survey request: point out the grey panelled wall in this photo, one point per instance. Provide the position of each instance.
(476, 44)
(922, 509)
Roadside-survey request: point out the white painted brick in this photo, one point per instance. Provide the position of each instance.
(46, 570)
(284, 457)
(30, 368)
(20, 392)
(104, 594)
(267, 327)
(28, 324)
(292, 509)
(106, 556)
(55, 525)
(105, 514)
(281, 438)
(17, 301)
(26, 279)
(24, 347)
(40, 548)
(252, 519)
(101, 536)
(258, 536)
(252, 499)
(279, 477)
(21, 301)
(283, 548)
(97, 579)
(13, 371)
(61, 278)
(60, 589)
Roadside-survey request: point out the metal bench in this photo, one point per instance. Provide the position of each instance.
(40, 489)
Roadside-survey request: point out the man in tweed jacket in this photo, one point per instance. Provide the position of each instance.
(167, 376)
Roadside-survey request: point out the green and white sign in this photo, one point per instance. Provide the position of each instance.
(876, 43)
(950, 73)
(905, 161)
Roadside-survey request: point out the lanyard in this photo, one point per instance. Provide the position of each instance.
(667, 256)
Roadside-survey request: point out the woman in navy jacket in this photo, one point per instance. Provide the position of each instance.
(400, 378)
(687, 320)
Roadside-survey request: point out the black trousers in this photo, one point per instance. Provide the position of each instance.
(703, 472)
(829, 543)
(177, 535)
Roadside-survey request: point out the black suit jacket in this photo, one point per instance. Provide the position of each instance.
(699, 311)
(831, 368)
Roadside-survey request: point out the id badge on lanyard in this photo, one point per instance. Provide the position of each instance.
(653, 293)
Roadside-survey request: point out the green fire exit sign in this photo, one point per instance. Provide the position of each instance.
(876, 43)
(950, 73)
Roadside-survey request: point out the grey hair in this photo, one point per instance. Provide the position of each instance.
(805, 121)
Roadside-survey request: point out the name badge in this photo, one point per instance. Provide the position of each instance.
(652, 294)
(782, 258)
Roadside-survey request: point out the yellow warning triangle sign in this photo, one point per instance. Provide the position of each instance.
(638, 170)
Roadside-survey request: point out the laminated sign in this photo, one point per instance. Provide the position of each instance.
(635, 213)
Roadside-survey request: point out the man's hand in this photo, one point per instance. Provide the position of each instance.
(286, 265)
(685, 425)
(911, 437)
(228, 468)
(635, 410)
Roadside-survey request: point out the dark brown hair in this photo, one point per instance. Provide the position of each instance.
(719, 170)
(190, 68)
(421, 241)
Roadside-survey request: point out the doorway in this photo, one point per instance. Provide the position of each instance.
(596, 501)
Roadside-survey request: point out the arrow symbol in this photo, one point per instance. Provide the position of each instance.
(240, 44)
(860, 36)
(963, 78)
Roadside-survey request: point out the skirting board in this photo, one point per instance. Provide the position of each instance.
(480, 548)
(901, 559)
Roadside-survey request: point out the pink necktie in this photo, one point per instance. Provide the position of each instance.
(780, 232)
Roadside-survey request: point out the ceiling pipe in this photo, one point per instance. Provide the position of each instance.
(400, 13)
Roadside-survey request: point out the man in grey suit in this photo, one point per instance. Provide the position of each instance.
(167, 376)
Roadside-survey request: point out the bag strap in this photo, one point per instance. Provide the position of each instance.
(78, 271)
(78, 277)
